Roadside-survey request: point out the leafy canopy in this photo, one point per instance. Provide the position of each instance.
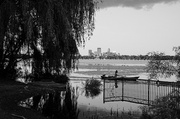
(47, 32)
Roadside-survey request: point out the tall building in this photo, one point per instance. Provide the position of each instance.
(90, 53)
(109, 50)
(98, 51)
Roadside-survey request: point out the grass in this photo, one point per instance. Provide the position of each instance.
(109, 114)
(13, 92)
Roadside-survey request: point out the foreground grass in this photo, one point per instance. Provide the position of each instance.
(13, 92)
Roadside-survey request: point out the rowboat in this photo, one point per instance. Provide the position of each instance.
(126, 78)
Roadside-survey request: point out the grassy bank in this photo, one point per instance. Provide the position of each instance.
(13, 92)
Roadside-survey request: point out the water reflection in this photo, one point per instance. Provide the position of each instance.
(92, 88)
(71, 104)
(86, 101)
(61, 104)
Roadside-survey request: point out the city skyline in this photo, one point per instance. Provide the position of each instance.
(136, 27)
(98, 52)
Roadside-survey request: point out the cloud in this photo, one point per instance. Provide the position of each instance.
(137, 4)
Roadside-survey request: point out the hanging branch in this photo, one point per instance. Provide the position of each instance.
(47, 31)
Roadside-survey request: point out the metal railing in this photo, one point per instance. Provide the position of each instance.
(141, 91)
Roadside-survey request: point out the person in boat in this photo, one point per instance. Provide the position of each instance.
(116, 73)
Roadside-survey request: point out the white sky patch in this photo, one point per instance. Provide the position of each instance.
(136, 31)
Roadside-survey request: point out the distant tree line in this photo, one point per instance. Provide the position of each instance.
(132, 57)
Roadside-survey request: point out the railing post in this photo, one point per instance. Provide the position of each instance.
(103, 90)
(122, 89)
(148, 90)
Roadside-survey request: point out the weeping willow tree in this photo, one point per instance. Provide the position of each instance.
(46, 32)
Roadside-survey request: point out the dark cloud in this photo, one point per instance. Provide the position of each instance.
(137, 4)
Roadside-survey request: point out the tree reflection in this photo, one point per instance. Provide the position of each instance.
(61, 104)
(91, 88)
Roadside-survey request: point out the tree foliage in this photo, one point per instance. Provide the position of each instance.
(47, 32)
(166, 107)
(157, 67)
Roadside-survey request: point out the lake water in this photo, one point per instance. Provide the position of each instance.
(96, 102)
(112, 62)
(96, 67)
(107, 100)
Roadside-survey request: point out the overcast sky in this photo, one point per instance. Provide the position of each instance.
(135, 27)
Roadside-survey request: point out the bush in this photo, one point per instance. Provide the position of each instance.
(167, 107)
